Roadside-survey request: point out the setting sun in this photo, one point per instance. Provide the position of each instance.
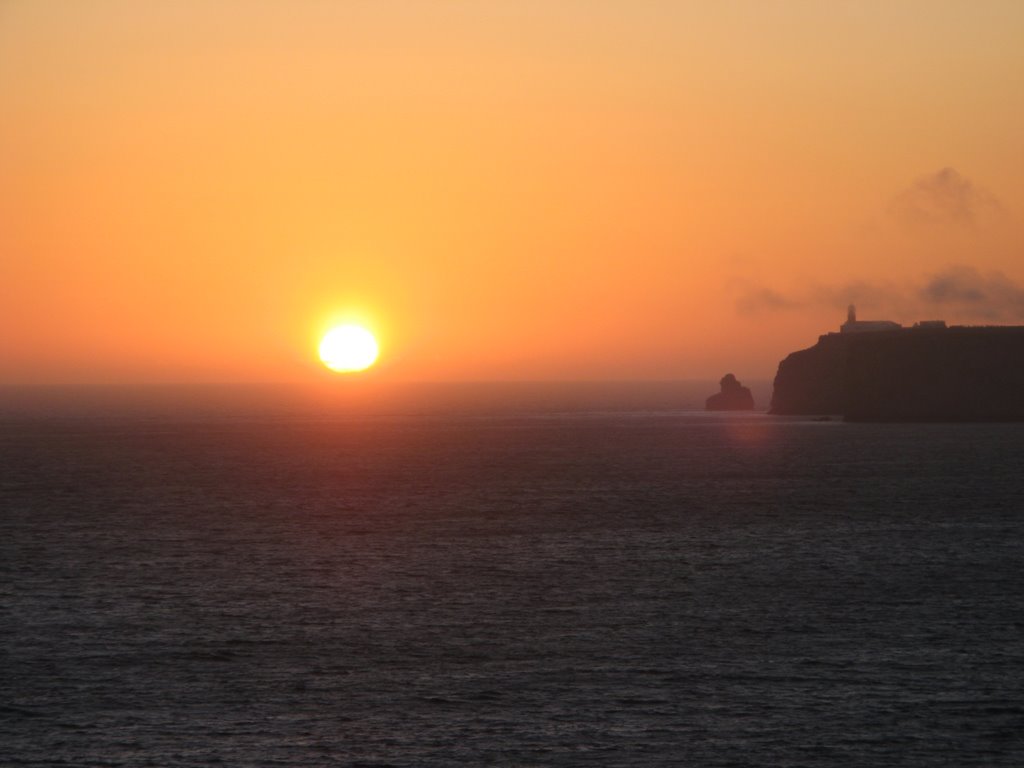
(348, 348)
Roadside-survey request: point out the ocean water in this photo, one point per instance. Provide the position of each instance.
(611, 580)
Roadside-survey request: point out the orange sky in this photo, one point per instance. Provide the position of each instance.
(193, 191)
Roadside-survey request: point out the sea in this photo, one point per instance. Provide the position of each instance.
(515, 574)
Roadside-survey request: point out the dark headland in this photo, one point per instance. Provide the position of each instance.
(880, 371)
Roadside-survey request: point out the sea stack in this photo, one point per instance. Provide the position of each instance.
(733, 397)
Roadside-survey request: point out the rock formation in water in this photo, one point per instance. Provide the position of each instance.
(910, 374)
(733, 397)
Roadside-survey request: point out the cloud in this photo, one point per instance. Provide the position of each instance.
(863, 293)
(965, 290)
(944, 197)
(958, 293)
(757, 300)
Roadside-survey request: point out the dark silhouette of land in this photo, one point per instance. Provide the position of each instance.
(909, 374)
(733, 396)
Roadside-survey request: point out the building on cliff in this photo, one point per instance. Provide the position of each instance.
(853, 325)
(929, 372)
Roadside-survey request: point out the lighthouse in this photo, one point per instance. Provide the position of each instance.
(853, 325)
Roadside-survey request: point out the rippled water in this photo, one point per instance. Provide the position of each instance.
(537, 588)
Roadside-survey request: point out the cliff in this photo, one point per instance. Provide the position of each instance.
(911, 374)
(813, 381)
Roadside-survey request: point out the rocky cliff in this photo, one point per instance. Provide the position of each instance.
(732, 397)
(911, 374)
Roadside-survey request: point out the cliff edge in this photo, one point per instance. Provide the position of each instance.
(910, 374)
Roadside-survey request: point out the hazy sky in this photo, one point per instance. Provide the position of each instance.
(500, 190)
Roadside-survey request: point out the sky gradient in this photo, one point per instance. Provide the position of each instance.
(195, 191)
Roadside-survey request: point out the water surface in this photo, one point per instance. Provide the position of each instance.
(530, 585)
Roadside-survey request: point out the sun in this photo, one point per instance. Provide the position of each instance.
(348, 348)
